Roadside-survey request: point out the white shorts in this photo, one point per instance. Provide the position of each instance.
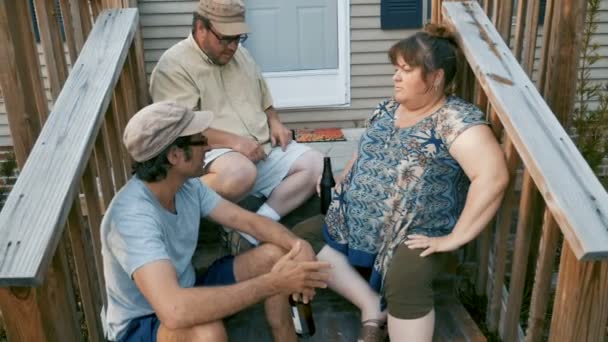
(272, 170)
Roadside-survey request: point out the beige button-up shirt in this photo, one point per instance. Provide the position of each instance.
(236, 93)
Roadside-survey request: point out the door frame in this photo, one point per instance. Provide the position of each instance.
(317, 88)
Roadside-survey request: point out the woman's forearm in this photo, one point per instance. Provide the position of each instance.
(483, 199)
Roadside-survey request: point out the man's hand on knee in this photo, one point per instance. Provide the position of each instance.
(295, 276)
(250, 149)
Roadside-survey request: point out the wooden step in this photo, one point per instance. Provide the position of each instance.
(453, 322)
(337, 320)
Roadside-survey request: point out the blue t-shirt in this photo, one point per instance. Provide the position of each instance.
(137, 230)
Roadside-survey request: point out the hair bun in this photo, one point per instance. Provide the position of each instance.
(440, 31)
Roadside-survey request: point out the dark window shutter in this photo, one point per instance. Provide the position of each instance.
(541, 12)
(400, 14)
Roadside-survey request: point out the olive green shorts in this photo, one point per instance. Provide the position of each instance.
(408, 284)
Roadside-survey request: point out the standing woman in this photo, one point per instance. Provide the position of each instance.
(427, 177)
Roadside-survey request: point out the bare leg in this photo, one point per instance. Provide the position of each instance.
(210, 332)
(419, 329)
(346, 281)
(231, 175)
(259, 261)
(299, 184)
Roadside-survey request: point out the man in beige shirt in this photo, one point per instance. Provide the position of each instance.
(253, 152)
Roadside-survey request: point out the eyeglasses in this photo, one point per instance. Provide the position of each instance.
(203, 142)
(227, 40)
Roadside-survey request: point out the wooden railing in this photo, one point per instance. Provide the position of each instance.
(77, 161)
(556, 189)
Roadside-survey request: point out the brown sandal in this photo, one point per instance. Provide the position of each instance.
(373, 330)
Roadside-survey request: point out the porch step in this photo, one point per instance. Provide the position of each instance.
(337, 320)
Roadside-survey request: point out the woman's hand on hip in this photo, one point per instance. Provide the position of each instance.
(431, 245)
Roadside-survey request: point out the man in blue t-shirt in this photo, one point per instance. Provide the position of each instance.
(150, 231)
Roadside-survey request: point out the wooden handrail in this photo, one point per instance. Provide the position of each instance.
(33, 218)
(569, 187)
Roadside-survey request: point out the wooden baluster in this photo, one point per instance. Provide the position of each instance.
(580, 311)
(436, 12)
(68, 29)
(530, 35)
(487, 7)
(485, 238)
(138, 64)
(528, 221)
(91, 196)
(86, 272)
(519, 29)
(52, 43)
(503, 227)
(104, 169)
(20, 77)
(543, 277)
(120, 109)
(114, 140)
(83, 9)
(504, 19)
(544, 51)
(31, 313)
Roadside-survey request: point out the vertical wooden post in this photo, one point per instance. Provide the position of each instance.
(519, 28)
(503, 227)
(20, 77)
(530, 204)
(90, 293)
(436, 12)
(544, 57)
(68, 29)
(52, 43)
(504, 17)
(580, 311)
(91, 194)
(138, 63)
(46, 313)
(569, 17)
(531, 31)
(542, 278)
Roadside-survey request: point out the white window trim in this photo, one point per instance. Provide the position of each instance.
(317, 88)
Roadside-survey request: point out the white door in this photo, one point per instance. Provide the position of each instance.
(302, 48)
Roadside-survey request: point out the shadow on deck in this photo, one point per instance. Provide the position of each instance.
(336, 319)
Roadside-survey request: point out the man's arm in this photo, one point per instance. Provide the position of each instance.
(246, 146)
(178, 307)
(279, 134)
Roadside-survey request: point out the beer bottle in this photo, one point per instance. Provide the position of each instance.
(301, 314)
(327, 182)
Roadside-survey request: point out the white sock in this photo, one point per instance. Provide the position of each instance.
(267, 211)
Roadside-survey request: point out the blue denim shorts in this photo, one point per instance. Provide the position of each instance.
(145, 328)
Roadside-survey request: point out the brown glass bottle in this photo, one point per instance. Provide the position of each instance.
(327, 183)
(301, 314)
